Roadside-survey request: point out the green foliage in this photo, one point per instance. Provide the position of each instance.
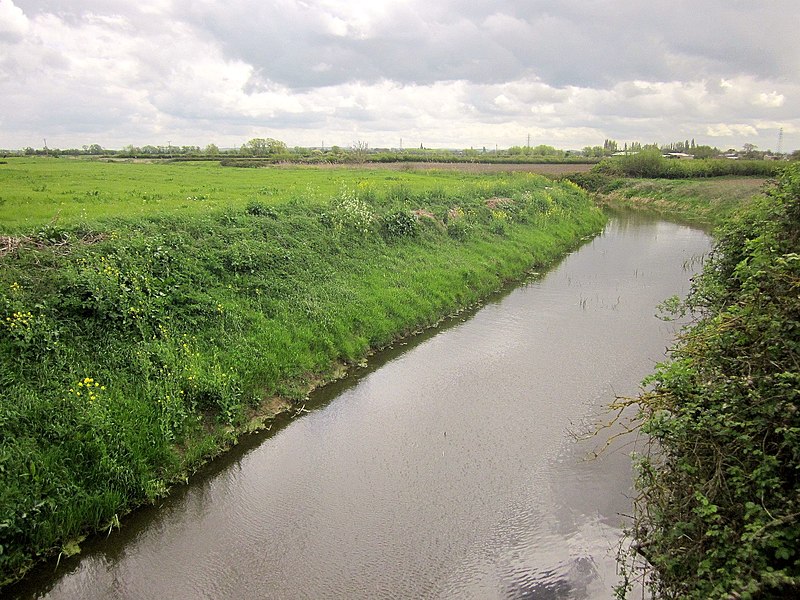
(398, 225)
(596, 181)
(349, 212)
(719, 509)
(259, 209)
(187, 321)
(651, 163)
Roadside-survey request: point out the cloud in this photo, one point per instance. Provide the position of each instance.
(446, 73)
(770, 100)
(13, 22)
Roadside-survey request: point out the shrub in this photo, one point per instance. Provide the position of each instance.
(458, 229)
(719, 509)
(401, 224)
(348, 212)
(259, 209)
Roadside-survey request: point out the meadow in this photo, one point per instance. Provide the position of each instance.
(152, 313)
(40, 191)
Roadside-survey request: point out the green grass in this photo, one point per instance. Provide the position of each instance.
(707, 201)
(38, 191)
(138, 340)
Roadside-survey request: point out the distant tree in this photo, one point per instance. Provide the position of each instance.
(211, 150)
(704, 151)
(275, 146)
(358, 151)
(544, 150)
(593, 151)
(749, 151)
(264, 147)
(256, 147)
(610, 146)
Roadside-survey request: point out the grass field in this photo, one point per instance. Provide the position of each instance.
(150, 313)
(40, 191)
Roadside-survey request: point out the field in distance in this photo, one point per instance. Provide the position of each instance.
(39, 191)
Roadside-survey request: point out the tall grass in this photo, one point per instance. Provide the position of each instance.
(134, 347)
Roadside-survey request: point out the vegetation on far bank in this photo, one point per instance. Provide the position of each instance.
(718, 511)
(706, 192)
(706, 202)
(133, 347)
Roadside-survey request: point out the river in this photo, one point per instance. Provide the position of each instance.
(448, 468)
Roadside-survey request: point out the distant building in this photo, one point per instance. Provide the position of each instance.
(679, 155)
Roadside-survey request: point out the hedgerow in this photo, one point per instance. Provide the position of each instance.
(718, 510)
(651, 163)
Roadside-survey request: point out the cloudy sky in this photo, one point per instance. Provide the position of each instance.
(443, 73)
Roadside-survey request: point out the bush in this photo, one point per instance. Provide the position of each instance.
(458, 229)
(259, 209)
(650, 163)
(719, 509)
(401, 224)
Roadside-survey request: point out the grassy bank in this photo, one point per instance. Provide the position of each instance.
(707, 202)
(135, 346)
(718, 515)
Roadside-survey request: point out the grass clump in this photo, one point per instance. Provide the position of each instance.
(718, 514)
(134, 348)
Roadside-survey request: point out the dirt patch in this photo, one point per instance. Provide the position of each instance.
(494, 203)
(540, 169)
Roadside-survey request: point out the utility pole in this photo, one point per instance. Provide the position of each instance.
(529, 141)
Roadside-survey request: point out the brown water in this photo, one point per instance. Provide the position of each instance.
(447, 469)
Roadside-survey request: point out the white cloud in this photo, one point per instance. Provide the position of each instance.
(13, 22)
(731, 129)
(448, 73)
(770, 99)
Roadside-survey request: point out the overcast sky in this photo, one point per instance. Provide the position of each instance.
(443, 73)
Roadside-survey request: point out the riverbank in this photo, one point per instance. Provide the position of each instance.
(707, 202)
(717, 514)
(134, 349)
